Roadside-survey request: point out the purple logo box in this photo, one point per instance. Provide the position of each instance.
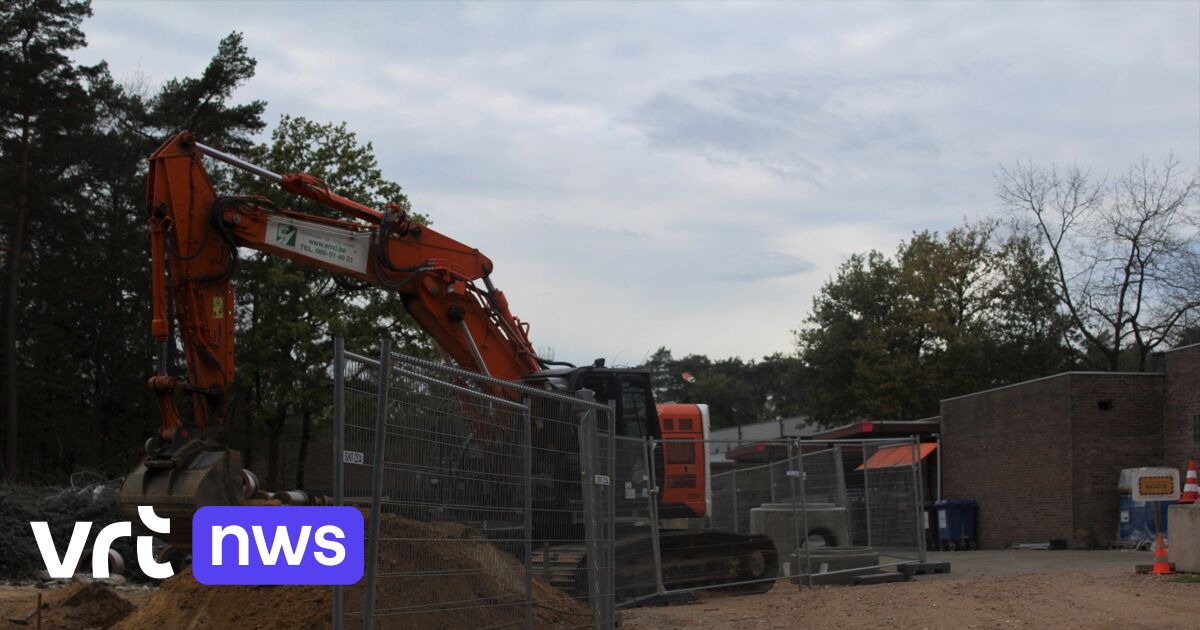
(277, 545)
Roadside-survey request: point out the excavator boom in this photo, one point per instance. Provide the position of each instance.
(195, 235)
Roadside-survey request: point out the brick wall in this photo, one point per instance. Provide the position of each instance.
(1010, 450)
(1182, 402)
(1115, 424)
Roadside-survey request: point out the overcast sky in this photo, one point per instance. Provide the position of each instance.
(689, 175)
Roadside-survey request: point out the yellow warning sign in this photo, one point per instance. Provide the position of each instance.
(1155, 484)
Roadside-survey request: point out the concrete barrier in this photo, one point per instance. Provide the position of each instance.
(1184, 543)
(781, 524)
(833, 565)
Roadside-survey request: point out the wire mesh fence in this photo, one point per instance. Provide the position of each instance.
(808, 511)
(493, 504)
(893, 503)
(488, 503)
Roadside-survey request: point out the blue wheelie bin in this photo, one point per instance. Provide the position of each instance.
(956, 523)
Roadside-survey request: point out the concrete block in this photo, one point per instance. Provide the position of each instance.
(1184, 544)
(781, 523)
(832, 565)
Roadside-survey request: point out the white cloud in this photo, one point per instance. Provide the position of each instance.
(689, 174)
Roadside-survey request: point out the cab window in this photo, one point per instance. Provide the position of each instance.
(634, 413)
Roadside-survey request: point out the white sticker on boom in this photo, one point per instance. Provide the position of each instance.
(344, 248)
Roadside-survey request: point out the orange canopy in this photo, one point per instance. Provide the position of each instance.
(897, 456)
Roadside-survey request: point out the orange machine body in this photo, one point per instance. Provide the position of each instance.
(686, 468)
(194, 237)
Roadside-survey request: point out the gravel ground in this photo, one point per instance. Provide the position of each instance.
(988, 590)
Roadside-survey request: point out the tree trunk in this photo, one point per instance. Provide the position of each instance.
(305, 430)
(12, 307)
(274, 448)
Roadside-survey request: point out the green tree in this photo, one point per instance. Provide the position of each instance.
(83, 347)
(43, 105)
(203, 105)
(737, 391)
(888, 338)
(290, 313)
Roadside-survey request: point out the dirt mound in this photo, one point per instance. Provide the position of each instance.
(433, 575)
(185, 604)
(74, 607)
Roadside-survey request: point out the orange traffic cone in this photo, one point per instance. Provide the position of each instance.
(1191, 491)
(1161, 566)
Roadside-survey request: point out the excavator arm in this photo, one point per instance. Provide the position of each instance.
(195, 235)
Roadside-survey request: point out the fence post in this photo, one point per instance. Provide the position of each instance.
(587, 489)
(804, 511)
(527, 474)
(385, 359)
(735, 501)
(797, 539)
(840, 474)
(648, 458)
(610, 575)
(866, 488)
(771, 480)
(918, 496)
(938, 437)
(339, 447)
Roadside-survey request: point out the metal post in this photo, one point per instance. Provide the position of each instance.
(938, 436)
(587, 474)
(339, 447)
(385, 360)
(527, 473)
(918, 496)
(797, 539)
(866, 488)
(804, 511)
(840, 473)
(771, 480)
(648, 458)
(610, 575)
(735, 501)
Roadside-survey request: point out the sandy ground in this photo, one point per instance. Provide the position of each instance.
(987, 589)
(984, 590)
(19, 601)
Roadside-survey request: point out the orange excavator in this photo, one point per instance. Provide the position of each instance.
(445, 286)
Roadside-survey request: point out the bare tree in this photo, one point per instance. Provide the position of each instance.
(1126, 252)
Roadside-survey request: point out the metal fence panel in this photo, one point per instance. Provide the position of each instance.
(494, 504)
(829, 510)
(478, 513)
(892, 494)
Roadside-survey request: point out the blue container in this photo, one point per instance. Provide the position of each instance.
(1137, 519)
(956, 523)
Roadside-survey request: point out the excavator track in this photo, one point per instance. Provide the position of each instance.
(742, 563)
(696, 558)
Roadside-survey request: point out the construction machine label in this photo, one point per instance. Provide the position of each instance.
(344, 248)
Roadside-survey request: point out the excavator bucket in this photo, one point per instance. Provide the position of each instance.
(176, 488)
